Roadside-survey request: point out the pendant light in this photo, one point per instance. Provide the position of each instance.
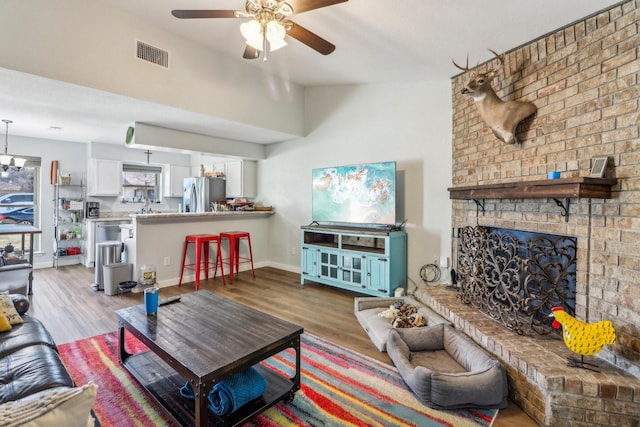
(7, 161)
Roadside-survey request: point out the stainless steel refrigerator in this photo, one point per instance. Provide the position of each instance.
(200, 192)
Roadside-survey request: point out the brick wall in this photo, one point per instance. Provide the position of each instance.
(584, 79)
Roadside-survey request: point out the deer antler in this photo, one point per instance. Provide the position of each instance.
(465, 69)
(500, 57)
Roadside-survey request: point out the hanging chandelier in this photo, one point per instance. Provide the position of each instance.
(7, 161)
(267, 28)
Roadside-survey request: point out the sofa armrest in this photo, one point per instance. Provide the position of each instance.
(21, 303)
(13, 267)
(14, 278)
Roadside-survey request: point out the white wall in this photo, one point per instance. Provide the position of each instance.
(406, 122)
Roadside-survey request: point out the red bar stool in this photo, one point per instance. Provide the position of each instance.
(234, 260)
(202, 242)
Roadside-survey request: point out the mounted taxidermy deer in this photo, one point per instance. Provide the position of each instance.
(501, 116)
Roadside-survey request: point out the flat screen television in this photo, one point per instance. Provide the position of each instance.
(362, 194)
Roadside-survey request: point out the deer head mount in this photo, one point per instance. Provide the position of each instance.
(501, 116)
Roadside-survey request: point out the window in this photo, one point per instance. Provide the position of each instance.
(140, 183)
(19, 190)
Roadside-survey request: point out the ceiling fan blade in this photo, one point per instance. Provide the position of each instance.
(300, 6)
(250, 52)
(189, 14)
(310, 39)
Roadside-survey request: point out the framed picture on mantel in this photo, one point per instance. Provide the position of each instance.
(599, 167)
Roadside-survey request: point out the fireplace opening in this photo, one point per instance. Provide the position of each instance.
(516, 277)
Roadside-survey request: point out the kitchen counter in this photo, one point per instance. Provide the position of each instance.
(123, 217)
(158, 239)
(197, 215)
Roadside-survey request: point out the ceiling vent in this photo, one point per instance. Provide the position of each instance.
(152, 54)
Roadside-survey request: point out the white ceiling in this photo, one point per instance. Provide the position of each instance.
(376, 41)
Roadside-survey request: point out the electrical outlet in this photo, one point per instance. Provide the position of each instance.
(167, 260)
(436, 260)
(444, 262)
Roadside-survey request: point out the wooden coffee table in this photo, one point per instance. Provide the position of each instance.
(204, 338)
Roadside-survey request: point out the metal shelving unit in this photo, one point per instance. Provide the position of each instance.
(68, 223)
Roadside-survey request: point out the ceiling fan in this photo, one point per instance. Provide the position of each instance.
(269, 24)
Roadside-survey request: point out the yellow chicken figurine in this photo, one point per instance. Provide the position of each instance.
(583, 338)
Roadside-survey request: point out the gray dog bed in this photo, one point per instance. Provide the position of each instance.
(368, 309)
(446, 370)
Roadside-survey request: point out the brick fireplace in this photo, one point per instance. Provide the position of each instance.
(584, 81)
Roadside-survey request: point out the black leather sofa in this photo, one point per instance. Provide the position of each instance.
(29, 361)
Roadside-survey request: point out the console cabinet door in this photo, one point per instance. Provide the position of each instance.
(329, 264)
(353, 266)
(309, 261)
(378, 274)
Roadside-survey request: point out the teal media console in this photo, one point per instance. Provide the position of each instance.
(365, 260)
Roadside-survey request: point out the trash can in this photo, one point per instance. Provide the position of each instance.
(108, 252)
(114, 274)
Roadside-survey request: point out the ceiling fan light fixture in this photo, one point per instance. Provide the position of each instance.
(275, 35)
(252, 33)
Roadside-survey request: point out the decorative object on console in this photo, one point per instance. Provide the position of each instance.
(583, 338)
(501, 116)
(599, 167)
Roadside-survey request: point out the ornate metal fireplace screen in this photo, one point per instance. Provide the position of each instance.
(516, 277)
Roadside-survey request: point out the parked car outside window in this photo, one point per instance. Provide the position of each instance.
(11, 201)
(17, 216)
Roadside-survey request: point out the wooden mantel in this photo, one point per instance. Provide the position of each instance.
(595, 188)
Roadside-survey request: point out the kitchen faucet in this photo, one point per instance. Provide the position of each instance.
(146, 208)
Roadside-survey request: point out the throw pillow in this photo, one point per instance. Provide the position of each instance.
(57, 407)
(4, 324)
(7, 308)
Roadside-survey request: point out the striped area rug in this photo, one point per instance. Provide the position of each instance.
(339, 388)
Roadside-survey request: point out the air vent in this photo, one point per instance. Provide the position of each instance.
(155, 55)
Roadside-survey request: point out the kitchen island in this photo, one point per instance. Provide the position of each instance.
(156, 239)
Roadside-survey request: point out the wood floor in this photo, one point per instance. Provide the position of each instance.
(65, 301)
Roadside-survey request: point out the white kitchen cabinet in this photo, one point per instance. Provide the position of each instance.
(173, 179)
(104, 177)
(241, 178)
